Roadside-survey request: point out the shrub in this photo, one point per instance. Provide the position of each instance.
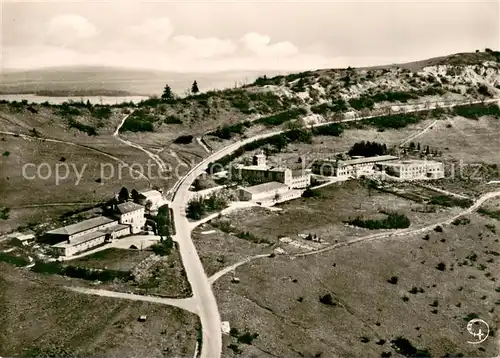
(183, 139)
(4, 213)
(404, 347)
(13, 260)
(392, 221)
(362, 103)
(309, 193)
(138, 121)
(441, 266)
(282, 117)
(327, 300)
(477, 110)
(6, 153)
(82, 127)
(173, 120)
(438, 229)
(449, 201)
(393, 280)
(247, 337)
(101, 112)
(333, 129)
(227, 131)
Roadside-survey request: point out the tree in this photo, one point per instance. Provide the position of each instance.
(134, 194)
(418, 146)
(194, 88)
(167, 93)
(148, 205)
(123, 195)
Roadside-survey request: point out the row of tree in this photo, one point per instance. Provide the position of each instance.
(368, 149)
(168, 94)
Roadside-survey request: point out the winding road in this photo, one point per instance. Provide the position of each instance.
(203, 301)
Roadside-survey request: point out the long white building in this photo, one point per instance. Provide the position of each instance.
(352, 168)
(415, 169)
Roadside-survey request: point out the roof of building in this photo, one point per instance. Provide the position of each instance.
(413, 162)
(380, 158)
(81, 226)
(128, 207)
(262, 168)
(150, 193)
(81, 239)
(262, 188)
(25, 237)
(114, 228)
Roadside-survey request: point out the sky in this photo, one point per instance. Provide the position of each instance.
(213, 36)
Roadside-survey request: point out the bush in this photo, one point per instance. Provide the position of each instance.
(327, 300)
(449, 201)
(4, 213)
(282, 117)
(6, 153)
(13, 260)
(395, 121)
(227, 131)
(173, 120)
(362, 103)
(309, 193)
(82, 127)
(183, 139)
(367, 149)
(393, 280)
(441, 266)
(392, 221)
(404, 347)
(477, 110)
(333, 129)
(138, 121)
(247, 338)
(101, 112)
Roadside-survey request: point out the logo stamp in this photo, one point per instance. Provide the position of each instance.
(478, 329)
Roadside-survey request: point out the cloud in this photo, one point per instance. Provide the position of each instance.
(154, 29)
(191, 46)
(69, 28)
(260, 45)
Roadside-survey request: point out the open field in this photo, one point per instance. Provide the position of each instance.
(18, 190)
(278, 298)
(318, 216)
(51, 320)
(218, 249)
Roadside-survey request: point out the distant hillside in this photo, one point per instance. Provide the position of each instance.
(324, 94)
(82, 81)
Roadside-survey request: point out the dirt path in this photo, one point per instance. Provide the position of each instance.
(155, 157)
(228, 269)
(187, 304)
(413, 136)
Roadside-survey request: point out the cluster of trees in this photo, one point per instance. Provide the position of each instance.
(200, 206)
(477, 110)
(168, 93)
(368, 149)
(392, 221)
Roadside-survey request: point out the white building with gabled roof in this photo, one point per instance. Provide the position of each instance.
(132, 214)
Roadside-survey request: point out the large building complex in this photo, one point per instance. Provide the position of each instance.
(352, 168)
(85, 235)
(415, 169)
(259, 172)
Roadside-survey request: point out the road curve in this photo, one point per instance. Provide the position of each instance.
(200, 284)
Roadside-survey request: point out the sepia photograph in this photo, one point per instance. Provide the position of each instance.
(254, 179)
